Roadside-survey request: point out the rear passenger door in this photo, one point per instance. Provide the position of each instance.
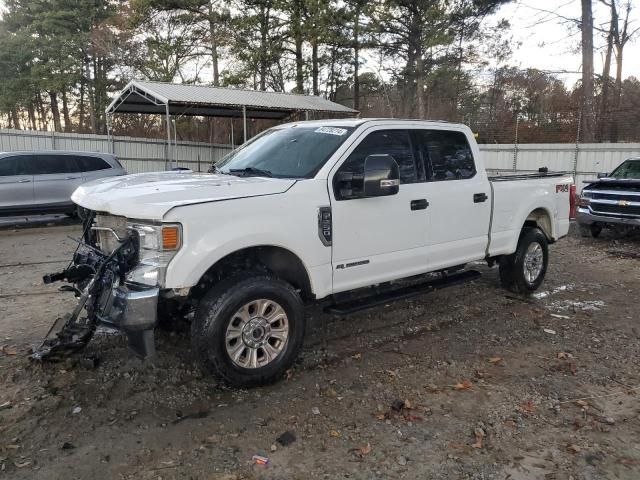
(56, 177)
(16, 182)
(459, 198)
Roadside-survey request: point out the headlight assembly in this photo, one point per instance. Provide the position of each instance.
(158, 245)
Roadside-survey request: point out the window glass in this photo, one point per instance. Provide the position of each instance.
(628, 169)
(90, 164)
(51, 164)
(390, 142)
(293, 152)
(448, 154)
(7, 167)
(16, 165)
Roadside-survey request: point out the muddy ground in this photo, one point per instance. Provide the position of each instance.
(468, 382)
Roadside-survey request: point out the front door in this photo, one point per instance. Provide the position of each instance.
(380, 238)
(16, 182)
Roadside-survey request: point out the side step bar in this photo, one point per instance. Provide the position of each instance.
(359, 304)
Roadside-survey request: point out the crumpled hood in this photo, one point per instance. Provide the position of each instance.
(149, 196)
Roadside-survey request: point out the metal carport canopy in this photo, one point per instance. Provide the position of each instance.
(176, 99)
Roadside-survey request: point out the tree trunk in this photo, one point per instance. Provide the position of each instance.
(314, 65)
(603, 120)
(617, 96)
(55, 112)
(14, 118)
(65, 112)
(81, 107)
(214, 45)
(587, 72)
(420, 83)
(92, 100)
(296, 26)
(41, 112)
(356, 58)
(32, 116)
(264, 50)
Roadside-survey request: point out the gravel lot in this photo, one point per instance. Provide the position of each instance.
(468, 382)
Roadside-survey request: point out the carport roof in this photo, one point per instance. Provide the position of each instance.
(154, 97)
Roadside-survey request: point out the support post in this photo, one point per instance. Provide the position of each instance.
(306, 115)
(233, 145)
(244, 122)
(168, 159)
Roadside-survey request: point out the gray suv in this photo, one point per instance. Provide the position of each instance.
(42, 182)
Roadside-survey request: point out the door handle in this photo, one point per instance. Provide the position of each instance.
(24, 180)
(421, 204)
(71, 178)
(480, 197)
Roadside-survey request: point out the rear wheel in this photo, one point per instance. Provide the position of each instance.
(248, 329)
(524, 270)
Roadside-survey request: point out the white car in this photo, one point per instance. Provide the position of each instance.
(305, 212)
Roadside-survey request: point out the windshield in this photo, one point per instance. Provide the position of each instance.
(294, 152)
(628, 169)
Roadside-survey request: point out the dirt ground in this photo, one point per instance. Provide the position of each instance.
(469, 382)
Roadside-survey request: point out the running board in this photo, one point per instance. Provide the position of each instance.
(357, 305)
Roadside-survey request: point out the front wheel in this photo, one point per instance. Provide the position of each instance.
(248, 329)
(524, 270)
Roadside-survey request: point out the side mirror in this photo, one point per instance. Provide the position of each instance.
(603, 175)
(381, 176)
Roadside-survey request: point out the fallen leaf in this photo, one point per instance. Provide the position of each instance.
(564, 356)
(573, 448)
(528, 406)
(478, 373)
(463, 385)
(582, 403)
(495, 360)
(408, 405)
(479, 435)
(356, 356)
(9, 350)
(628, 461)
(362, 451)
(334, 433)
(22, 464)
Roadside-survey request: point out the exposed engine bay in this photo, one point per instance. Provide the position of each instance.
(106, 252)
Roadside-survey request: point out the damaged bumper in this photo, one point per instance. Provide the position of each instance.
(132, 309)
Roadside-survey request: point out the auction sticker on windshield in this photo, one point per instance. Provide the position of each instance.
(331, 131)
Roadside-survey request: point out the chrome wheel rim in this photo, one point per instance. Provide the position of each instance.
(257, 333)
(533, 262)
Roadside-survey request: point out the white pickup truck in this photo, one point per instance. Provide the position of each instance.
(304, 212)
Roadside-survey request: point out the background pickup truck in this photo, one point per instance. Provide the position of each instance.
(306, 212)
(612, 201)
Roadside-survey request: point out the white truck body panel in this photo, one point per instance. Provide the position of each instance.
(222, 214)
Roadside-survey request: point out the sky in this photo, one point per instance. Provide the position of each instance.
(551, 43)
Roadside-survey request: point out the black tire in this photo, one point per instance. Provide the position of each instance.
(216, 310)
(512, 267)
(585, 230)
(595, 230)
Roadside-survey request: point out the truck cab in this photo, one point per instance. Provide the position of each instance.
(308, 212)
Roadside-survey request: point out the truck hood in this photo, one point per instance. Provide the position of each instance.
(149, 196)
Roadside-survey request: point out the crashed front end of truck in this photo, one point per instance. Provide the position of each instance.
(115, 273)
